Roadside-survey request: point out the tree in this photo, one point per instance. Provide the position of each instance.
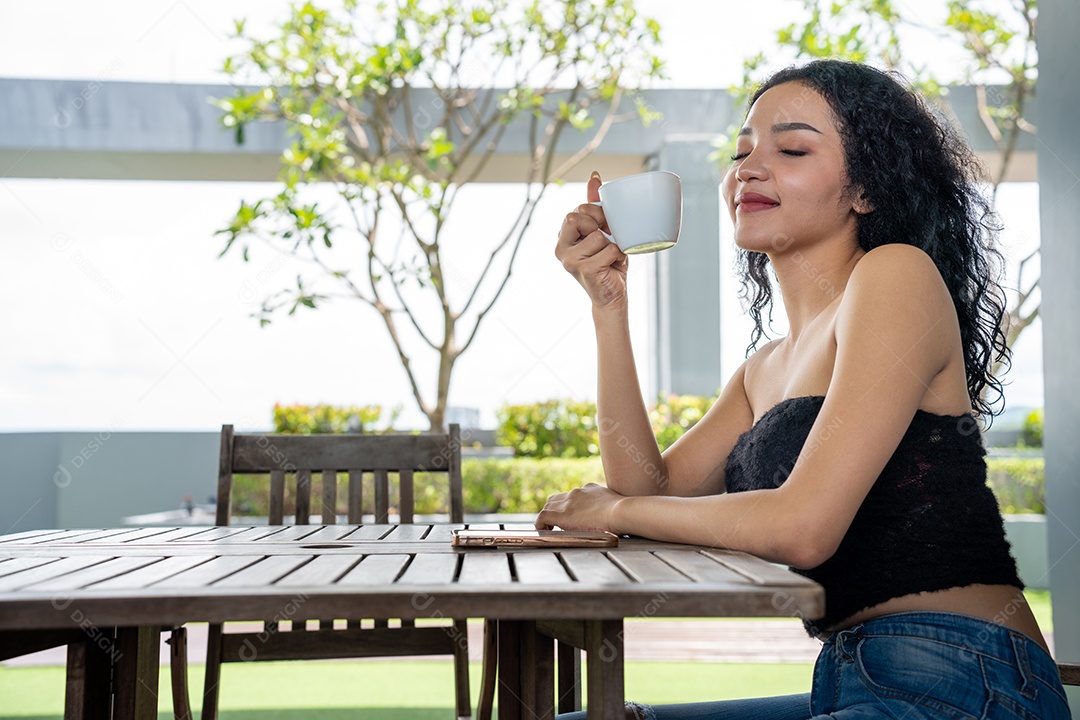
(396, 107)
(997, 38)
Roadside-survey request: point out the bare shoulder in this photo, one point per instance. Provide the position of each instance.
(897, 310)
(898, 279)
(897, 264)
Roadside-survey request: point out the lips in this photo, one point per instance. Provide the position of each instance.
(754, 202)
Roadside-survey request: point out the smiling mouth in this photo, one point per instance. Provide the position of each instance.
(755, 206)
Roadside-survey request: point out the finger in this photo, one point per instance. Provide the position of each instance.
(593, 188)
(542, 523)
(589, 246)
(608, 256)
(575, 227)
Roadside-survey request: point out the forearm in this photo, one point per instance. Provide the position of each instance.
(632, 461)
(757, 522)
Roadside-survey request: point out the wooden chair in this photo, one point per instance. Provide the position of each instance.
(1070, 673)
(300, 456)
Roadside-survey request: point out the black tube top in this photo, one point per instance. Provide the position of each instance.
(930, 522)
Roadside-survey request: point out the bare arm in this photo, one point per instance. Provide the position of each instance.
(633, 464)
(896, 331)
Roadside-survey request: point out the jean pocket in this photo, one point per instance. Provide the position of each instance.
(927, 677)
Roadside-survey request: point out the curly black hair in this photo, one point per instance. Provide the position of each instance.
(921, 179)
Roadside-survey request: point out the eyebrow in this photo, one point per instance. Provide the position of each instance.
(782, 127)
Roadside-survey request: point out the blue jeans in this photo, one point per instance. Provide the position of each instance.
(908, 665)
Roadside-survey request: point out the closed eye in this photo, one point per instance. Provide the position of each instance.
(794, 153)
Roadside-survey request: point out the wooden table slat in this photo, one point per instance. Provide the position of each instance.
(485, 568)
(407, 533)
(136, 535)
(369, 532)
(515, 526)
(150, 574)
(191, 532)
(441, 533)
(38, 574)
(322, 570)
(111, 535)
(261, 533)
(28, 535)
(428, 569)
(69, 535)
(593, 568)
(18, 564)
(88, 576)
(209, 572)
(264, 572)
(540, 568)
(218, 533)
(703, 568)
(375, 569)
(327, 533)
(645, 567)
(762, 572)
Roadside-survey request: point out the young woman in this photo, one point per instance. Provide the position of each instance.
(848, 449)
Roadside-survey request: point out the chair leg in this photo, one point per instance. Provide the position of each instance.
(178, 671)
(212, 686)
(463, 696)
(485, 703)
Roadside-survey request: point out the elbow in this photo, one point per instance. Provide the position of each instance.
(808, 543)
(807, 552)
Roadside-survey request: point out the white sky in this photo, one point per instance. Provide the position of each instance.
(118, 314)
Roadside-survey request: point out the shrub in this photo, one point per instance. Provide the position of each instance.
(551, 429)
(1018, 483)
(508, 485)
(322, 419)
(568, 428)
(1032, 433)
(676, 414)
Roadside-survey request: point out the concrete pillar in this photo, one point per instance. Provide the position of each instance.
(1059, 209)
(685, 322)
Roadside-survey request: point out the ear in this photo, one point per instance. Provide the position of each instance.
(860, 204)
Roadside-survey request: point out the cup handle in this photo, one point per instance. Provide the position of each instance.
(599, 204)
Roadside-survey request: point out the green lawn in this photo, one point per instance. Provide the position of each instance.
(390, 690)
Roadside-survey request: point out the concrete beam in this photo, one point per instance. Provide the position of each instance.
(158, 131)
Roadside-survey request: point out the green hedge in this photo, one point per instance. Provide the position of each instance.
(518, 485)
(521, 485)
(323, 419)
(1018, 483)
(568, 428)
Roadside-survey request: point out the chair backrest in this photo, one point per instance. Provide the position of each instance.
(301, 455)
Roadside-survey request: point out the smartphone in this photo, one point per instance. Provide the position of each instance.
(533, 538)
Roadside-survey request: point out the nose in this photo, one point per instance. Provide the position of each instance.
(751, 168)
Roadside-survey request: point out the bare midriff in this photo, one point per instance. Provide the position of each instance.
(1001, 604)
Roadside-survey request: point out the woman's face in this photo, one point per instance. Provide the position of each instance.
(786, 187)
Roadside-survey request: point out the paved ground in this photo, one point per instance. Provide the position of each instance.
(735, 641)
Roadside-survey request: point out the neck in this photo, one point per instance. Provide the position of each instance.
(812, 278)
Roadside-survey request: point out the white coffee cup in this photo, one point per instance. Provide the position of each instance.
(643, 211)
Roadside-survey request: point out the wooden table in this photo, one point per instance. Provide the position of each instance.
(110, 592)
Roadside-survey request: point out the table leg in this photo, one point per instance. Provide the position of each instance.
(135, 686)
(604, 655)
(509, 682)
(537, 672)
(89, 674)
(569, 677)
